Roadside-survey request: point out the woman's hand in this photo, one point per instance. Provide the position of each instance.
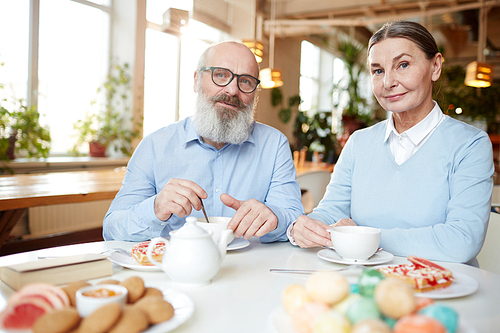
(311, 233)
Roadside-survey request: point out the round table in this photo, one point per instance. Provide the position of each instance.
(244, 295)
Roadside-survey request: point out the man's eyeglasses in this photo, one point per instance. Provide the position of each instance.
(222, 77)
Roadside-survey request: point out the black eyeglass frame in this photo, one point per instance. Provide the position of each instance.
(232, 78)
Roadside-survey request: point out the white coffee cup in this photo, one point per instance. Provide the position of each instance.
(355, 243)
(216, 225)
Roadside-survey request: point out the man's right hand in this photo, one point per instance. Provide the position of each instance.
(311, 233)
(178, 197)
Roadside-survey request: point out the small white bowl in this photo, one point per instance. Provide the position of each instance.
(355, 243)
(85, 304)
(216, 225)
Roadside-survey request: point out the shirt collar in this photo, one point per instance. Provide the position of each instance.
(418, 132)
(192, 135)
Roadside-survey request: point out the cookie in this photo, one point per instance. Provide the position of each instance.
(132, 320)
(58, 321)
(109, 281)
(102, 319)
(135, 287)
(156, 308)
(150, 291)
(71, 289)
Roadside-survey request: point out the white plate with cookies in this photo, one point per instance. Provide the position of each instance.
(183, 310)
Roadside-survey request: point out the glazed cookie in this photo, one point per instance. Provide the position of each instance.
(150, 291)
(102, 319)
(58, 321)
(135, 287)
(156, 308)
(71, 289)
(133, 320)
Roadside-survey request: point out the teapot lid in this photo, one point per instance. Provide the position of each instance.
(190, 229)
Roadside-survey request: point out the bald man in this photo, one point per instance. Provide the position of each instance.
(238, 167)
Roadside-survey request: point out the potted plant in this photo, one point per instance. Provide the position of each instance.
(21, 132)
(357, 113)
(111, 126)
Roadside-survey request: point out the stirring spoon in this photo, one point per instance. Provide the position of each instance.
(204, 212)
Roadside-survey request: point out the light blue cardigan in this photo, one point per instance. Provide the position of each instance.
(435, 205)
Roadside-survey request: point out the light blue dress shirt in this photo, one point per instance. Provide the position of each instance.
(260, 168)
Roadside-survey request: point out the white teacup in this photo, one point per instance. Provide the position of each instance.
(355, 243)
(216, 225)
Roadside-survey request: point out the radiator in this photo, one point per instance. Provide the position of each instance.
(53, 219)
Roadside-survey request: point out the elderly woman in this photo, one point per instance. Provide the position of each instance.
(423, 178)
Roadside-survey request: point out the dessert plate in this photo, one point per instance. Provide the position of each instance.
(238, 243)
(463, 285)
(280, 321)
(378, 258)
(183, 309)
(127, 261)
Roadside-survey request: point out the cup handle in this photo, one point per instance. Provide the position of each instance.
(152, 245)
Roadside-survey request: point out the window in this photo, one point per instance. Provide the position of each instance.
(164, 79)
(316, 80)
(72, 59)
(14, 18)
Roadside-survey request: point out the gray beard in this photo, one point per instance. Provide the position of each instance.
(222, 125)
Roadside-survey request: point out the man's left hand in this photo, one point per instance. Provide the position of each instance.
(252, 217)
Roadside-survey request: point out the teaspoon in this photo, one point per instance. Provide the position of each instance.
(204, 212)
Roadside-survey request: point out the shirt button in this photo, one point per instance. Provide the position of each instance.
(163, 223)
(218, 154)
(217, 190)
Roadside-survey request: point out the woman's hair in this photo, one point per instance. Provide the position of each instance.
(409, 30)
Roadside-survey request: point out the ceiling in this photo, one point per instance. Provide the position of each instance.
(453, 23)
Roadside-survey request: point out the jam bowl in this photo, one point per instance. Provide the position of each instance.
(90, 298)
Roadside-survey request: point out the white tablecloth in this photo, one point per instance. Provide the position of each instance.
(244, 295)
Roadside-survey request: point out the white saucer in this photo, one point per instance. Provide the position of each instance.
(377, 259)
(238, 243)
(129, 262)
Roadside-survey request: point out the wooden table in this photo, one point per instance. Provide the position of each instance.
(19, 192)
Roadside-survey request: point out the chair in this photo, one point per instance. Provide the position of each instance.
(314, 182)
(489, 257)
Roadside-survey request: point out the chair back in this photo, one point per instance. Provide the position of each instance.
(489, 257)
(315, 182)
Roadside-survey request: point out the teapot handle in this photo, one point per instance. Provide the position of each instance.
(152, 245)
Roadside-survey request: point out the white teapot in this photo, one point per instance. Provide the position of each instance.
(191, 257)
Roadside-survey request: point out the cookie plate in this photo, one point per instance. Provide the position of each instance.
(183, 309)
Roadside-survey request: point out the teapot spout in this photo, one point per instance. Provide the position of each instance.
(222, 243)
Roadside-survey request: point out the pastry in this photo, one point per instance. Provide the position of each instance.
(156, 308)
(151, 291)
(329, 287)
(394, 298)
(71, 289)
(132, 320)
(139, 250)
(417, 323)
(59, 321)
(101, 320)
(135, 287)
(422, 274)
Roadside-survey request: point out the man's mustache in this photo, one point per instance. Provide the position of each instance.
(228, 99)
